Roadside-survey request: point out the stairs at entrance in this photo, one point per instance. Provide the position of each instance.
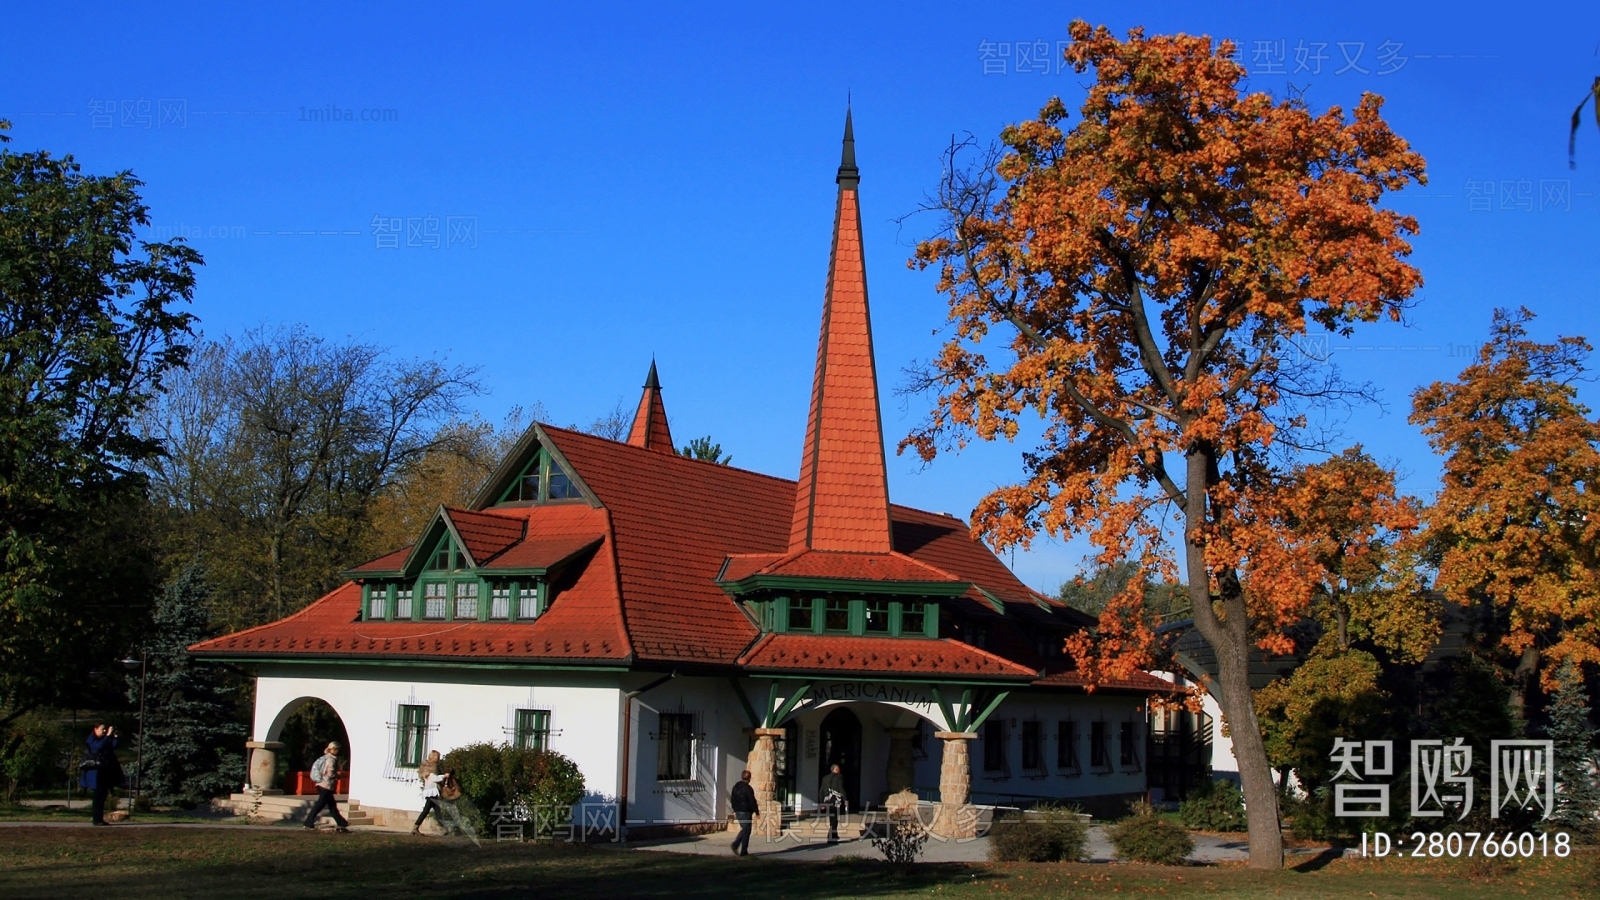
(291, 807)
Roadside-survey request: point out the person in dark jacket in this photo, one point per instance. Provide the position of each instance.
(743, 802)
(833, 798)
(101, 771)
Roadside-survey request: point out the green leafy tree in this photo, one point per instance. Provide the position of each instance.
(279, 446)
(1577, 794)
(1092, 594)
(194, 727)
(90, 329)
(703, 448)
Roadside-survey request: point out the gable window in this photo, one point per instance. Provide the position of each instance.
(466, 599)
(1067, 746)
(500, 602)
(994, 746)
(434, 598)
(800, 615)
(533, 729)
(837, 615)
(402, 603)
(675, 747)
(1032, 747)
(541, 480)
(412, 739)
(1099, 753)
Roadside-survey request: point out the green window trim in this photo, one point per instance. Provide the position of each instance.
(411, 742)
(541, 481)
(532, 731)
(872, 616)
(440, 597)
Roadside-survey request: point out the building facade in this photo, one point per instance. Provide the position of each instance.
(667, 622)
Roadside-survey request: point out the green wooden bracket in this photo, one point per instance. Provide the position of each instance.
(994, 704)
(944, 708)
(749, 711)
(795, 699)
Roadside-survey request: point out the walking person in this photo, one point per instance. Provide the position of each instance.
(833, 798)
(101, 771)
(431, 778)
(325, 771)
(743, 802)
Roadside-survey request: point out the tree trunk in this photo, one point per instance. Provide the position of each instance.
(1229, 637)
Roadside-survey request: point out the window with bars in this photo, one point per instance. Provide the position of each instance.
(377, 601)
(434, 599)
(675, 747)
(528, 602)
(466, 599)
(1032, 747)
(1125, 749)
(1067, 746)
(402, 603)
(411, 736)
(994, 746)
(500, 602)
(532, 730)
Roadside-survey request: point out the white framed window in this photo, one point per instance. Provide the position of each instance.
(434, 599)
(528, 602)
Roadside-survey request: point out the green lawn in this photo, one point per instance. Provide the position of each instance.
(169, 864)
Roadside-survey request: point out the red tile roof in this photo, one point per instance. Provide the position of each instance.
(906, 656)
(485, 534)
(842, 500)
(875, 567)
(1138, 681)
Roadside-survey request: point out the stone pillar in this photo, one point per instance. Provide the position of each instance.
(264, 766)
(955, 818)
(901, 771)
(763, 766)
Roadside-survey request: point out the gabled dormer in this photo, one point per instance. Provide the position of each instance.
(534, 472)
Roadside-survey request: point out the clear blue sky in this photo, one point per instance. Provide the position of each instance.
(613, 181)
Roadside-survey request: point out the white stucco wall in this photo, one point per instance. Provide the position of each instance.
(464, 707)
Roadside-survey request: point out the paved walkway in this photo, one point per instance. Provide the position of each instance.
(1207, 848)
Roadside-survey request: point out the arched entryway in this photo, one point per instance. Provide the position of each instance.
(304, 727)
(840, 735)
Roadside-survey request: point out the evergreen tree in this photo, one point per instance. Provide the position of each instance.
(1577, 795)
(192, 730)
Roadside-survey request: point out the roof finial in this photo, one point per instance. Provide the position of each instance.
(849, 176)
(651, 382)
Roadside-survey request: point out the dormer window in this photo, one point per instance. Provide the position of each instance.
(448, 557)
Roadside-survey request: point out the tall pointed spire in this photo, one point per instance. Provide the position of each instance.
(842, 501)
(650, 429)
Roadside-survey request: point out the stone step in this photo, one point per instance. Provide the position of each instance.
(282, 807)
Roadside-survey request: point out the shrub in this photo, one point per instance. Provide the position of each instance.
(30, 750)
(901, 843)
(1146, 837)
(499, 775)
(1214, 806)
(1046, 833)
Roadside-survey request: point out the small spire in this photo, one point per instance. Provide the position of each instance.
(849, 176)
(650, 429)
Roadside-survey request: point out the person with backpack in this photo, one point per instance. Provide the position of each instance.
(743, 802)
(101, 773)
(325, 772)
(430, 776)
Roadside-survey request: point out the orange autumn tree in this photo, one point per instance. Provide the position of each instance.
(1516, 524)
(1146, 274)
(1346, 516)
